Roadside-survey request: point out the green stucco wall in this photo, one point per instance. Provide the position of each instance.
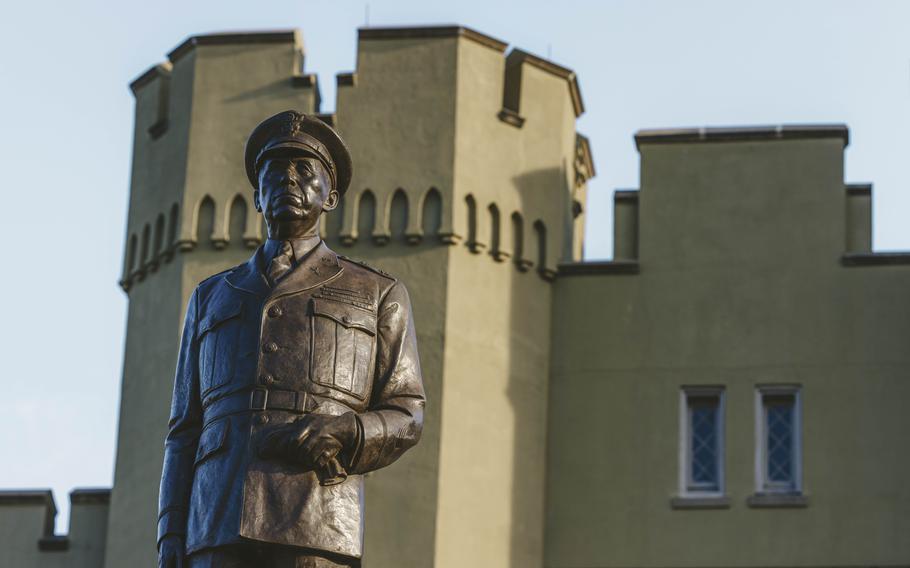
(741, 284)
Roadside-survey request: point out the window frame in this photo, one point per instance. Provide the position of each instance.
(764, 486)
(687, 488)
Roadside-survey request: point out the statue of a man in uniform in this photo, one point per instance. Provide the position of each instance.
(298, 372)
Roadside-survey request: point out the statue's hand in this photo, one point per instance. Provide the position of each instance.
(312, 441)
(322, 437)
(171, 552)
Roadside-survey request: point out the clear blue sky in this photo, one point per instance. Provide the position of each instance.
(67, 119)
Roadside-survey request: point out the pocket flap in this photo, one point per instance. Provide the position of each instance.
(218, 313)
(348, 316)
(212, 439)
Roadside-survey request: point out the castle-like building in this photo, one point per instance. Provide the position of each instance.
(729, 390)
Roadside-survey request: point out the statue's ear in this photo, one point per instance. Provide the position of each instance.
(256, 202)
(331, 201)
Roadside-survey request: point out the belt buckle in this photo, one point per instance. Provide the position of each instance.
(264, 397)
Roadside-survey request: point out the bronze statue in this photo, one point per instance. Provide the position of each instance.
(297, 373)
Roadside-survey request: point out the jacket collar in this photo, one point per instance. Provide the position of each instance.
(318, 266)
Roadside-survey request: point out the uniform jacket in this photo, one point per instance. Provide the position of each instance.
(332, 336)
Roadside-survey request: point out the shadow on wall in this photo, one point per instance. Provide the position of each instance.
(532, 245)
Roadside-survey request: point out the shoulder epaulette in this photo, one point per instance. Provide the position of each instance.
(216, 275)
(368, 267)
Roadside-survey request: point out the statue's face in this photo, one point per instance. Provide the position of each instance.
(294, 191)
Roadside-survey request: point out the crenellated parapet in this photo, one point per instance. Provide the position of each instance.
(27, 523)
(515, 188)
(493, 134)
(188, 186)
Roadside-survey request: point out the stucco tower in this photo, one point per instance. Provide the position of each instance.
(190, 215)
(469, 186)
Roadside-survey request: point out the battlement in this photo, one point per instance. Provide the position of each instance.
(494, 134)
(187, 156)
(431, 32)
(761, 183)
(27, 520)
(439, 103)
(742, 134)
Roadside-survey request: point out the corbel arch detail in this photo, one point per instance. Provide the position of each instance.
(398, 215)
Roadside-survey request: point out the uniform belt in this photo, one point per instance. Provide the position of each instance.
(299, 402)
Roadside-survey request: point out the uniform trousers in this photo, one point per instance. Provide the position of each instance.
(254, 555)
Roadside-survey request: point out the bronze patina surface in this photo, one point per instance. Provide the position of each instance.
(298, 372)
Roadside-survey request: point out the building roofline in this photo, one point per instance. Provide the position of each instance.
(562, 72)
(742, 134)
(859, 189)
(599, 267)
(228, 38)
(90, 496)
(153, 72)
(28, 497)
(588, 157)
(33, 497)
(424, 32)
(890, 258)
(625, 195)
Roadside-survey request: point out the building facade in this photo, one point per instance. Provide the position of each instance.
(726, 392)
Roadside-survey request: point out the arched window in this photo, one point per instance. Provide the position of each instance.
(237, 224)
(172, 225)
(495, 237)
(541, 233)
(366, 215)
(334, 219)
(472, 243)
(542, 268)
(159, 236)
(398, 215)
(205, 220)
(432, 213)
(131, 258)
(518, 242)
(146, 237)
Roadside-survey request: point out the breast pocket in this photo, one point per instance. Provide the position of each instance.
(219, 332)
(343, 346)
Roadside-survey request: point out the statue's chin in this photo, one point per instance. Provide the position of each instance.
(288, 214)
(291, 223)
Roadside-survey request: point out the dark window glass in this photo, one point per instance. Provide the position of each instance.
(779, 429)
(704, 443)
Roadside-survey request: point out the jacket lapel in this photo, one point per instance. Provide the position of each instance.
(318, 266)
(248, 277)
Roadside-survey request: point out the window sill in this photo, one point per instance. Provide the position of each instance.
(778, 500)
(700, 502)
(54, 543)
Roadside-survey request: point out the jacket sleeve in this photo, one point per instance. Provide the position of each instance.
(184, 427)
(394, 420)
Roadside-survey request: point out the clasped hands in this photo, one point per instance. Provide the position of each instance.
(313, 441)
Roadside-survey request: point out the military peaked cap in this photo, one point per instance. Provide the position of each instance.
(292, 132)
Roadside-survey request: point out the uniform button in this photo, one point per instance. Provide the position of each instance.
(267, 379)
(275, 311)
(262, 418)
(346, 319)
(269, 347)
